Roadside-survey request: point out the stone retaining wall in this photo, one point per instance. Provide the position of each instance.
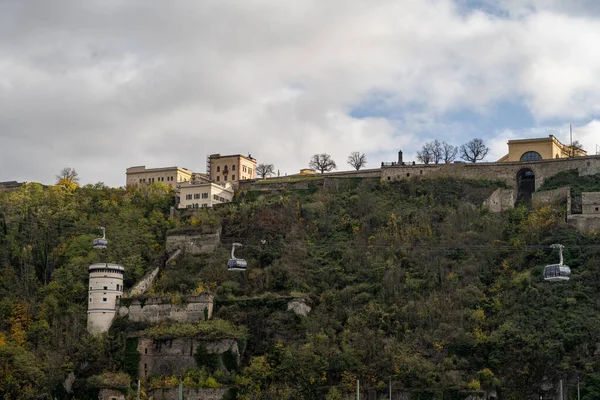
(157, 309)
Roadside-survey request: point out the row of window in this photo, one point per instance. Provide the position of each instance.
(196, 205)
(160, 179)
(219, 198)
(118, 287)
(225, 178)
(244, 169)
(105, 300)
(196, 196)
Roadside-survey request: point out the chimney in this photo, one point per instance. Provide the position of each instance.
(400, 157)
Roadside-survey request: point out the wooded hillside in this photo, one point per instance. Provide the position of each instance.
(412, 281)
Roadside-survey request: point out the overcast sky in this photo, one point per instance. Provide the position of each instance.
(107, 84)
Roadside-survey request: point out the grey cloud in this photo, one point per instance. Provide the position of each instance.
(103, 85)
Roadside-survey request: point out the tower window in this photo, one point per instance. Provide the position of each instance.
(104, 300)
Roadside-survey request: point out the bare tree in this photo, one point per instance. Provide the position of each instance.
(474, 150)
(357, 160)
(436, 151)
(68, 177)
(425, 155)
(263, 170)
(322, 162)
(449, 152)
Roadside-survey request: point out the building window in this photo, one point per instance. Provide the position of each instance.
(188, 206)
(205, 195)
(531, 156)
(140, 180)
(218, 178)
(196, 195)
(204, 205)
(105, 300)
(233, 167)
(105, 287)
(250, 171)
(218, 169)
(225, 178)
(188, 196)
(233, 177)
(244, 169)
(91, 300)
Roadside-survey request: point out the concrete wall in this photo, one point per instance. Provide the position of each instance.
(193, 243)
(590, 203)
(157, 309)
(188, 394)
(500, 200)
(552, 197)
(174, 356)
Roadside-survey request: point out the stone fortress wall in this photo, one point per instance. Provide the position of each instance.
(503, 171)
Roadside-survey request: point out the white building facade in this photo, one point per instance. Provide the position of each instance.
(105, 290)
(203, 194)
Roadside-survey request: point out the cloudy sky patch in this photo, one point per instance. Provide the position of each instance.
(104, 85)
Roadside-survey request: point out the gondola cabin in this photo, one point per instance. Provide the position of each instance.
(100, 243)
(236, 264)
(557, 272)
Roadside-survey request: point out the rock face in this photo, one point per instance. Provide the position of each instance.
(110, 394)
(299, 307)
(157, 309)
(174, 356)
(193, 241)
(188, 394)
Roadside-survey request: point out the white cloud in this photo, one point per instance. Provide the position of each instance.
(101, 86)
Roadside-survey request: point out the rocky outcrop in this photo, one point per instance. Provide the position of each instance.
(157, 309)
(299, 307)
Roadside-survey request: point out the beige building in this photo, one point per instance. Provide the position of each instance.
(232, 168)
(170, 176)
(201, 194)
(539, 149)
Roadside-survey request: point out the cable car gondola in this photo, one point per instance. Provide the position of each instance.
(557, 272)
(100, 243)
(236, 264)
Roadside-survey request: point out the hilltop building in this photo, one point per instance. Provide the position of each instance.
(10, 185)
(231, 168)
(539, 149)
(170, 176)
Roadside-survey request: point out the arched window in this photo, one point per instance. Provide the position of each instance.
(531, 156)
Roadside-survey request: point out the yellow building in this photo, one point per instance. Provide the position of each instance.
(232, 168)
(170, 176)
(201, 194)
(539, 149)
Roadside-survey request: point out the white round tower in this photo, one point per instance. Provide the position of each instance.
(106, 288)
